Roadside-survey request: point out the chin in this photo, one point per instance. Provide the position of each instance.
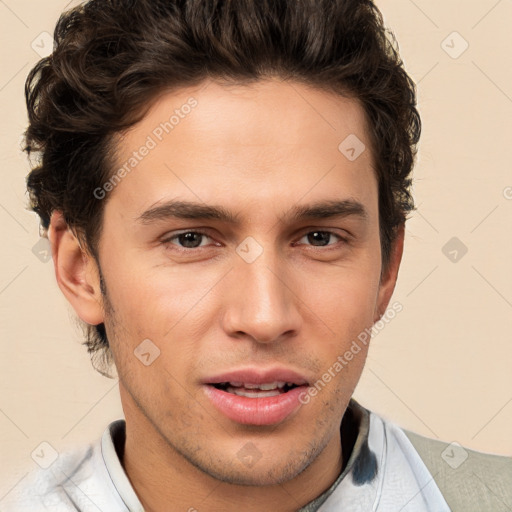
(264, 471)
(264, 476)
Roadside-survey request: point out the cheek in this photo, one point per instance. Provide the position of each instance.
(154, 300)
(166, 307)
(345, 298)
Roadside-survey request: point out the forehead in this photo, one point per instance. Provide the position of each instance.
(244, 145)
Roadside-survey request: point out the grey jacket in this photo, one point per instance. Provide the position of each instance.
(470, 481)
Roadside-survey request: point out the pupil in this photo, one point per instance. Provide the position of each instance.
(187, 238)
(321, 235)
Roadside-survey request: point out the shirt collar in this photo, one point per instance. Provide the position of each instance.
(354, 437)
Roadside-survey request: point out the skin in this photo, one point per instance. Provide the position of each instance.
(258, 151)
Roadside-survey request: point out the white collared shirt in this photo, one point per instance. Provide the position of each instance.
(384, 473)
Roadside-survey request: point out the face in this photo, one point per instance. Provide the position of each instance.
(266, 279)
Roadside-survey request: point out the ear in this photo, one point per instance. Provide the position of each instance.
(389, 277)
(76, 271)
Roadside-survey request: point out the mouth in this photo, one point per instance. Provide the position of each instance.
(250, 390)
(255, 397)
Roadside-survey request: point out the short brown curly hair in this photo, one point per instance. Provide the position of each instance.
(113, 57)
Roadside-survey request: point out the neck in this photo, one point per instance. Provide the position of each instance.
(165, 480)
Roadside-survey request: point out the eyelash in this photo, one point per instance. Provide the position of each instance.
(168, 241)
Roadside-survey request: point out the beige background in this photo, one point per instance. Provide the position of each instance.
(442, 367)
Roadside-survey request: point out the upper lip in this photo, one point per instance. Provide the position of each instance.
(258, 376)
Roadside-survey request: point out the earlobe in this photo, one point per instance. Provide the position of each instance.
(388, 279)
(75, 271)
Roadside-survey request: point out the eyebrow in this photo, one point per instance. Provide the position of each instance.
(187, 210)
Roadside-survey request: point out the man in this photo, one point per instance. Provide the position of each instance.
(225, 186)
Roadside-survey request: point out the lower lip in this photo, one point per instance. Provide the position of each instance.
(255, 411)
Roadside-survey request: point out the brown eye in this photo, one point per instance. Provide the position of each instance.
(187, 239)
(320, 238)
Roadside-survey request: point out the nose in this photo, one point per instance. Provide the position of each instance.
(261, 302)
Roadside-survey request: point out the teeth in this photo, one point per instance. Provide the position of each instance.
(249, 393)
(251, 386)
(250, 390)
(265, 387)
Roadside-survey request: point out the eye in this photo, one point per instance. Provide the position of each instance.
(321, 238)
(187, 239)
